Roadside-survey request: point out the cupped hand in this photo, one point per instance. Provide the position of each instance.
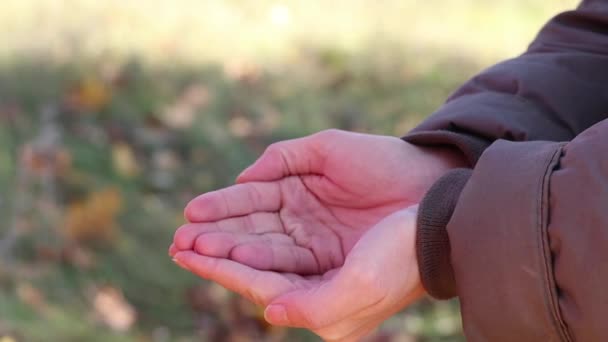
(304, 203)
(378, 278)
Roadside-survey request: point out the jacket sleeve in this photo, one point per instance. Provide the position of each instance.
(529, 241)
(553, 91)
(522, 239)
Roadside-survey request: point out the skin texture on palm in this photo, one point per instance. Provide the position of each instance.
(378, 278)
(304, 203)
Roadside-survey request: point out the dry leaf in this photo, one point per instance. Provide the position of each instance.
(124, 160)
(78, 256)
(242, 70)
(7, 339)
(179, 116)
(240, 126)
(196, 95)
(94, 219)
(91, 94)
(182, 113)
(113, 309)
(40, 160)
(31, 296)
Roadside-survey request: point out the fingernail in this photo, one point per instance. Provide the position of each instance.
(180, 264)
(276, 314)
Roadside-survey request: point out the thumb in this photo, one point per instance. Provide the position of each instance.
(311, 309)
(379, 274)
(290, 157)
(326, 304)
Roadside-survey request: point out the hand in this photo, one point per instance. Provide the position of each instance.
(305, 202)
(379, 277)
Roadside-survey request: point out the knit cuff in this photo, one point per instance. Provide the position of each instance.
(432, 241)
(471, 146)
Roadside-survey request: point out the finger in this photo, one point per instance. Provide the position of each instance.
(372, 278)
(316, 308)
(259, 287)
(278, 257)
(256, 223)
(272, 251)
(173, 250)
(236, 200)
(221, 244)
(291, 157)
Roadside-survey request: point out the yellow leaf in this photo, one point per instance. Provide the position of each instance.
(31, 296)
(113, 309)
(124, 160)
(94, 219)
(182, 113)
(240, 126)
(91, 94)
(40, 160)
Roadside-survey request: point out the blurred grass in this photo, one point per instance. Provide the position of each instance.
(113, 114)
(193, 30)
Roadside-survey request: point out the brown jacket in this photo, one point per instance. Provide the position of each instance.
(522, 236)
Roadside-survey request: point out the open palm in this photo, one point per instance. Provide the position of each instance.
(378, 278)
(304, 204)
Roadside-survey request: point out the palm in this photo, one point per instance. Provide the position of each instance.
(262, 286)
(378, 278)
(303, 205)
(258, 286)
(284, 226)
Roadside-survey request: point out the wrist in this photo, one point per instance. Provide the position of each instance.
(471, 145)
(434, 163)
(446, 157)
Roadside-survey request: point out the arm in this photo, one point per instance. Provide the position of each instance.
(554, 91)
(525, 244)
(528, 241)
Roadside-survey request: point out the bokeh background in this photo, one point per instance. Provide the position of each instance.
(114, 113)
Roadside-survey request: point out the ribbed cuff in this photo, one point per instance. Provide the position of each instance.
(432, 241)
(471, 146)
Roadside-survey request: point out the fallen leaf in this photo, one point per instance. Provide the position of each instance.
(78, 256)
(182, 113)
(89, 95)
(244, 71)
(94, 218)
(240, 126)
(31, 296)
(41, 160)
(113, 309)
(124, 160)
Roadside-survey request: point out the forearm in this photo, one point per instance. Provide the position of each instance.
(553, 91)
